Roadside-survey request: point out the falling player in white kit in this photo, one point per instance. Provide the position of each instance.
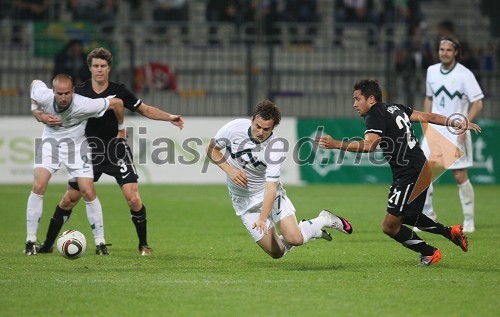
(64, 143)
(252, 161)
(451, 88)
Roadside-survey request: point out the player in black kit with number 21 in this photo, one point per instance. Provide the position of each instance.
(389, 126)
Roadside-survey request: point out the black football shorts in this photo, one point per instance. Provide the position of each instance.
(402, 201)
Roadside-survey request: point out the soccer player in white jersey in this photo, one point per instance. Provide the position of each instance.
(252, 161)
(450, 89)
(63, 143)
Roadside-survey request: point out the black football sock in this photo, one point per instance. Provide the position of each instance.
(425, 223)
(412, 241)
(140, 222)
(58, 220)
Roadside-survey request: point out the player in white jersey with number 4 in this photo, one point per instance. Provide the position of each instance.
(252, 161)
(63, 143)
(451, 88)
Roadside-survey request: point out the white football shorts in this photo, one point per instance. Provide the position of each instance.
(75, 157)
(249, 207)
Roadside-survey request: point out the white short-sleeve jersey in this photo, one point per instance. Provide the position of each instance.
(260, 161)
(74, 116)
(452, 91)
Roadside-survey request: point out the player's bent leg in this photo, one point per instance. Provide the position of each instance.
(392, 226)
(291, 231)
(272, 244)
(269, 242)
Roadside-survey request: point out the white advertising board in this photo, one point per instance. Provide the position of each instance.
(163, 154)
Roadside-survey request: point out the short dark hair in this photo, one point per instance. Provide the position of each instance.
(100, 53)
(369, 87)
(267, 110)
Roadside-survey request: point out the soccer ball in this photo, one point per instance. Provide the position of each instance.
(72, 244)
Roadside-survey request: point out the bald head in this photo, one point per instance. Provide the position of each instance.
(62, 78)
(62, 86)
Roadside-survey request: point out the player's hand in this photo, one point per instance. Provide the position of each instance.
(238, 177)
(50, 119)
(474, 127)
(122, 134)
(325, 142)
(261, 226)
(466, 125)
(177, 120)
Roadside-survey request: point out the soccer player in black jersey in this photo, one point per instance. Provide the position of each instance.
(110, 155)
(389, 126)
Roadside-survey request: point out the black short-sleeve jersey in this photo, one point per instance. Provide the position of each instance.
(398, 143)
(105, 128)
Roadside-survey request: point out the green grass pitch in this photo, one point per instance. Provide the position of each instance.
(205, 264)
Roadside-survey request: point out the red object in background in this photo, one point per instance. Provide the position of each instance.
(154, 77)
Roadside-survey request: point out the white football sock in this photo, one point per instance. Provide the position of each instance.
(428, 209)
(33, 214)
(466, 193)
(94, 214)
(311, 228)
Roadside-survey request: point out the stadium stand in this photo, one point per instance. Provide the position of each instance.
(308, 79)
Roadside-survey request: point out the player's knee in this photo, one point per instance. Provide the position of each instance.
(460, 176)
(88, 194)
(38, 188)
(134, 202)
(66, 204)
(295, 240)
(460, 179)
(389, 230)
(69, 200)
(278, 254)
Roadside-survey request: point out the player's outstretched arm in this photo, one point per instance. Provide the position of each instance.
(154, 113)
(369, 144)
(418, 116)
